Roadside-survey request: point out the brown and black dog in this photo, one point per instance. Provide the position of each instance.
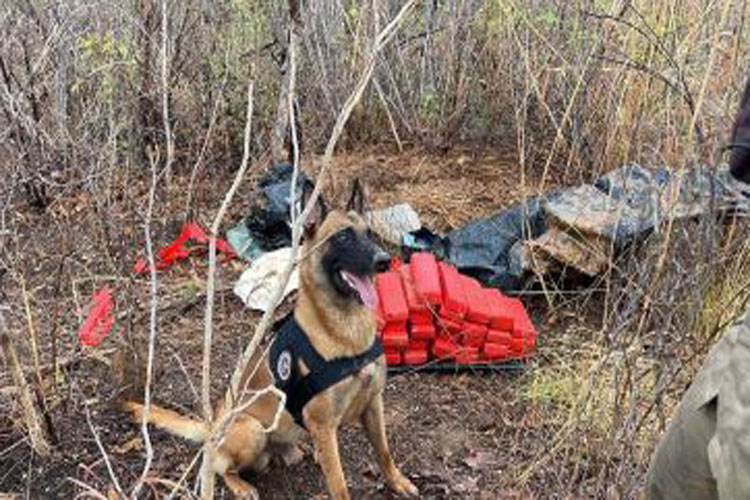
(335, 309)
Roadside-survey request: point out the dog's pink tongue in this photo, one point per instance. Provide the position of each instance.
(365, 289)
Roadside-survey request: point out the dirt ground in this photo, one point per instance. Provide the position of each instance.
(466, 435)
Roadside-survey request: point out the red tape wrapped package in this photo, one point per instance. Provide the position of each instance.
(428, 311)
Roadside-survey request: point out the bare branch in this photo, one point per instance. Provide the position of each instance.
(31, 415)
(207, 476)
(165, 89)
(152, 328)
(110, 471)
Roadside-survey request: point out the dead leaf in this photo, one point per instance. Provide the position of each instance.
(132, 444)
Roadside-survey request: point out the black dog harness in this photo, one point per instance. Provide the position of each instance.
(290, 346)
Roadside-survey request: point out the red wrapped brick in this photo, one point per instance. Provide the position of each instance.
(498, 337)
(503, 310)
(394, 335)
(416, 304)
(391, 295)
(392, 356)
(521, 346)
(415, 356)
(454, 296)
(395, 265)
(517, 346)
(523, 327)
(514, 307)
(495, 352)
(444, 348)
(530, 343)
(480, 309)
(450, 315)
(418, 344)
(450, 326)
(422, 331)
(379, 317)
(424, 271)
(467, 355)
(420, 318)
(472, 335)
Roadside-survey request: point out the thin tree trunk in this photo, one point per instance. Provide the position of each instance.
(37, 435)
(280, 152)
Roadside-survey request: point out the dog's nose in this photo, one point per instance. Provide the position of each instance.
(382, 261)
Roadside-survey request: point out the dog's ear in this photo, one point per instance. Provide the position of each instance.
(357, 198)
(319, 211)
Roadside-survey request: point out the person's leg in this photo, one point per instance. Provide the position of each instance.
(679, 467)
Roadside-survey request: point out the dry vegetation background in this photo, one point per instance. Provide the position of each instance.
(472, 105)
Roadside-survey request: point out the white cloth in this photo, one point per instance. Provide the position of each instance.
(258, 283)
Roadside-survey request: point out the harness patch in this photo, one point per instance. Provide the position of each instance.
(284, 366)
(289, 346)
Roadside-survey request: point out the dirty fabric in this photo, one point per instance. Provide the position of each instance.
(268, 221)
(258, 283)
(394, 222)
(595, 222)
(656, 194)
(490, 249)
(705, 452)
(242, 241)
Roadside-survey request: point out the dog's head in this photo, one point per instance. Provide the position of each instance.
(739, 159)
(341, 256)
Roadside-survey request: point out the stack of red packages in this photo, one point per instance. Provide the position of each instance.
(431, 311)
(394, 312)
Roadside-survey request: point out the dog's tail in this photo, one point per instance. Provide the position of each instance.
(170, 421)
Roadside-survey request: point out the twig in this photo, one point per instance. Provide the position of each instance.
(236, 411)
(90, 489)
(204, 148)
(31, 415)
(152, 329)
(99, 445)
(293, 44)
(207, 475)
(184, 476)
(176, 356)
(36, 432)
(165, 89)
(30, 323)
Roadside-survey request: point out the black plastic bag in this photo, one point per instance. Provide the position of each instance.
(490, 249)
(268, 221)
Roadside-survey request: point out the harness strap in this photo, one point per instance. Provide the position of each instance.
(299, 389)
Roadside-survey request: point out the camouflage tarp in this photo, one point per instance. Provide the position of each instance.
(594, 221)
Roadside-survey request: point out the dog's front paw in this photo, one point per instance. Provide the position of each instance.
(403, 486)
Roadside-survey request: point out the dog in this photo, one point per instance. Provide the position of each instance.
(335, 310)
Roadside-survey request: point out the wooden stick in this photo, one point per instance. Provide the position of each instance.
(37, 435)
(152, 329)
(207, 475)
